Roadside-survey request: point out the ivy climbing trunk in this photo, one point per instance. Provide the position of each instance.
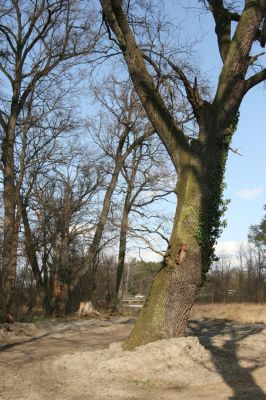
(190, 251)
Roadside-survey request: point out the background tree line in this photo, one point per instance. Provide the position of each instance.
(240, 278)
(78, 182)
(232, 278)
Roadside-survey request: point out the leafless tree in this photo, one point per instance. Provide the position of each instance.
(117, 139)
(39, 40)
(145, 182)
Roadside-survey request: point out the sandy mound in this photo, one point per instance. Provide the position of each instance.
(36, 368)
(178, 363)
(145, 363)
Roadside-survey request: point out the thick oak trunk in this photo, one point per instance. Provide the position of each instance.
(9, 258)
(175, 287)
(189, 253)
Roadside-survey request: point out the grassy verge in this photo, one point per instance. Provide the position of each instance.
(241, 312)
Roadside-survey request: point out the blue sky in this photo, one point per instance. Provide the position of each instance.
(245, 174)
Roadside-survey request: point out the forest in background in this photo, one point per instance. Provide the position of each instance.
(240, 278)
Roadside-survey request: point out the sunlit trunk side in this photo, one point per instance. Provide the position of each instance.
(175, 287)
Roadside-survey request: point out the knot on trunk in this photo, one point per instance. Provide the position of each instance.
(181, 254)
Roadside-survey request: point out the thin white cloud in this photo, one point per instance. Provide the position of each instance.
(249, 194)
(230, 250)
(230, 247)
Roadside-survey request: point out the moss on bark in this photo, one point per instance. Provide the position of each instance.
(174, 288)
(150, 325)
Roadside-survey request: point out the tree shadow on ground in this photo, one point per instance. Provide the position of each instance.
(224, 353)
(24, 341)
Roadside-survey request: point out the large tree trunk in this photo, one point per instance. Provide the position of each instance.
(93, 277)
(175, 287)
(9, 257)
(10, 243)
(61, 281)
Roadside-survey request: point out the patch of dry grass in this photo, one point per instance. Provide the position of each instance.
(242, 312)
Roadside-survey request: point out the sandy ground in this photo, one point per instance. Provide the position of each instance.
(75, 360)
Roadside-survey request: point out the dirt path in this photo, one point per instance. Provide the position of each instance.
(27, 343)
(60, 361)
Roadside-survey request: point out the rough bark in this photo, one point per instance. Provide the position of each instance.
(187, 259)
(175, 287)
(60, 287)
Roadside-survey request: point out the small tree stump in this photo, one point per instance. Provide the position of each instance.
(86, 309)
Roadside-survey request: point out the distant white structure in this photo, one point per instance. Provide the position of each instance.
(136, 301)
(139, 296)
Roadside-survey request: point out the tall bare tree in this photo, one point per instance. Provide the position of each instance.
(145, 182)
(37, 38)
(117, 140)
(199, 161)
